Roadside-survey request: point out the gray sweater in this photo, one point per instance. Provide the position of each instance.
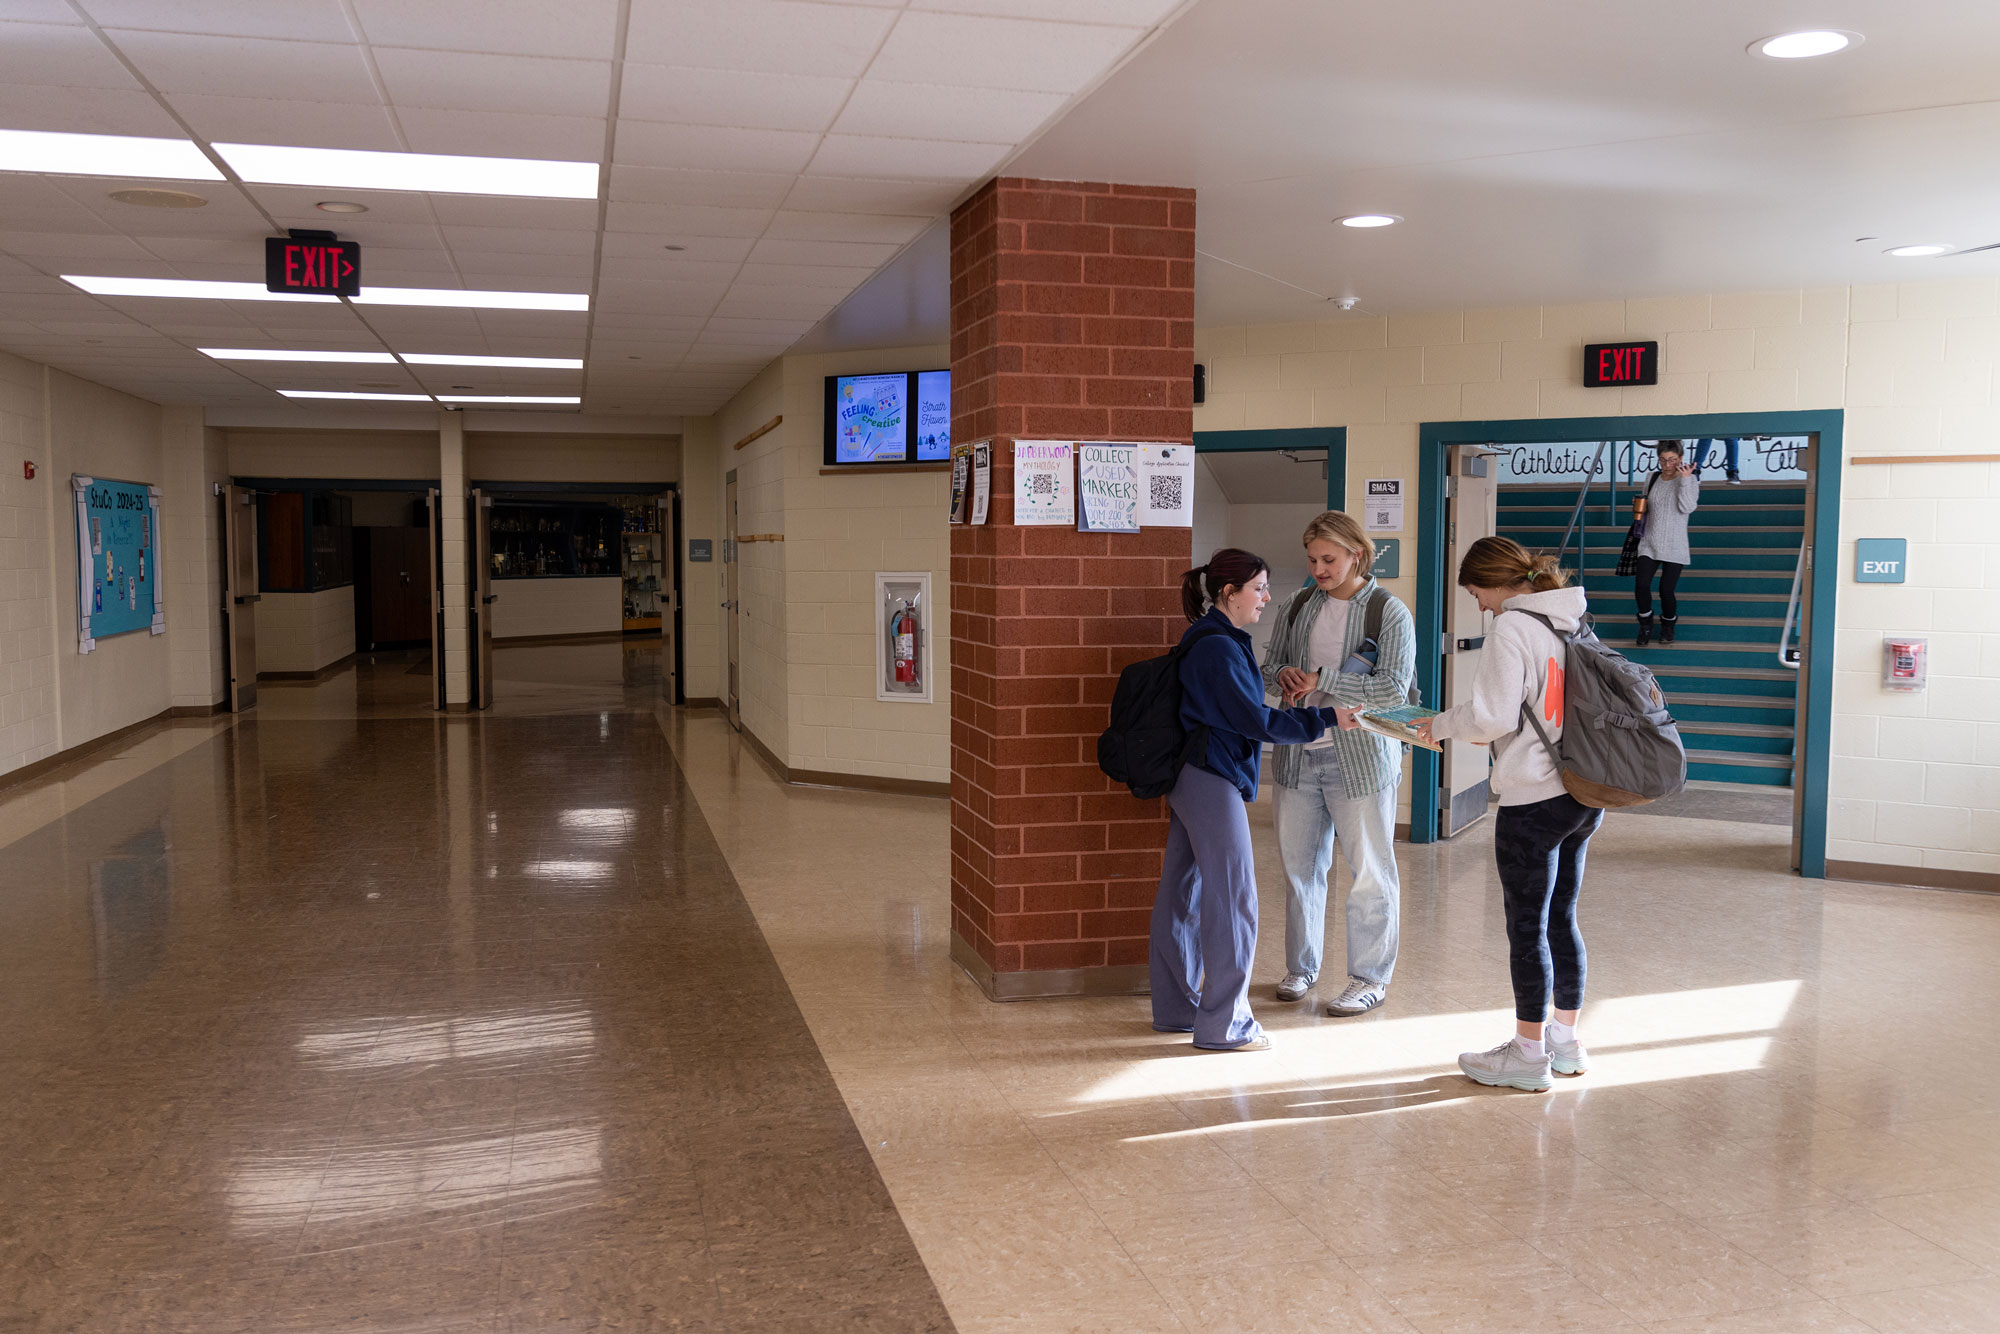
(1668, 505)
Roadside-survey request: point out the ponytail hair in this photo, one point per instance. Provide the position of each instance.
(1501, 562)
(1226, 569)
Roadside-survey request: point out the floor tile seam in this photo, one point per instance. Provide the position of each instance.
(1944, 1246)
(1776, 1274)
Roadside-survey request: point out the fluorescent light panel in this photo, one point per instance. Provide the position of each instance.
(373, 296)
(104, 155)
(503, 398)
(437, 173)
(373, 398)
(379, 358)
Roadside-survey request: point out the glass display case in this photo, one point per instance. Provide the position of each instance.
(534, 539)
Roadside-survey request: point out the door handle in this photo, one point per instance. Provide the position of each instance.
(490, 597)
(1468, 645)
(246, 601)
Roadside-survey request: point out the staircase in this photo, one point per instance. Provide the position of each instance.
(1735, 703)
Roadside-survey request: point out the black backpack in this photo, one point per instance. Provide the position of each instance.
(1145, 747)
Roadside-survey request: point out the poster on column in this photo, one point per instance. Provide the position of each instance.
(961, 481)
(1166, 482)
(982, 480)
(1044, 487)
(118, 559)
(1108, 483)
(1384, 512)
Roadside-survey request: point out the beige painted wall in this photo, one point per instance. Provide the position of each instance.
(196, 460)
(28, 730)
(701, 581)
(507, 457)
(1913, 777)
(530, 607)
(303, 632)
(762, 681)
(388, 455)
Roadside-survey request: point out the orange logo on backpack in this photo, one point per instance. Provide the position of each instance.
(1552, 695)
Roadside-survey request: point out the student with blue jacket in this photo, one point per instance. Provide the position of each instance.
(1205, 918)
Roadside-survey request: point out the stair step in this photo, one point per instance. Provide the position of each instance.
(1769, 710)
(1614, 592)
(1594, 514)
(1744, 758)
(1702, 771)
(1612, 535)
(1724, 672)
(1704, 727)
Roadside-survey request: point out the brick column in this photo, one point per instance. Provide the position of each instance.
(1072, 319)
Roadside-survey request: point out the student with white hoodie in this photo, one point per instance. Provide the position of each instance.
(1542, 832)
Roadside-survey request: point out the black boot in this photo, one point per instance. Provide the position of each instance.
(1667, 629)
(1646, 629)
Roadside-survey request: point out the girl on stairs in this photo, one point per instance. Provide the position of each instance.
(1670, 497)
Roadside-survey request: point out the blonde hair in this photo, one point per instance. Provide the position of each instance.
(1340, 529)
(1501, 562)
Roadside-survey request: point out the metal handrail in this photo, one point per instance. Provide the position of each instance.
(1792, 611)
(1582, 495)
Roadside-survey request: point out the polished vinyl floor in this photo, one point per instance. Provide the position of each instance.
(345, 1017)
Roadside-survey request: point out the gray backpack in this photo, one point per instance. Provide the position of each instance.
(1619, 744)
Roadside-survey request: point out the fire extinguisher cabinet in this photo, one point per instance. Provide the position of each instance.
(903, 620)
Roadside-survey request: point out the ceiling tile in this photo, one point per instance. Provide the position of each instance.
(857, 253)
(39, 11)
(30, 245)
(849, 276)
(579, 28)
(1132, 13)
(484, 269)
(56, 55)
(894, 229)
(642, 143)
(850, 195)
(693, 249)
(690, 96)
(1000, 52)
(621, 268)
(249, 67)
(499, 134)
(859, 155)
(266, 120)
(673, 221)
(491, 211)
(85, 111)
(456, 81)
(296, 206)
(940, 111)
(768, 36)
(728, 189)
(523, 240)
(298, 20)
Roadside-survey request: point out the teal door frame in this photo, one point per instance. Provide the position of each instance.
(1332, 439)
(1814, 743)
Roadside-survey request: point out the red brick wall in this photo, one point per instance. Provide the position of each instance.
(1072, 319)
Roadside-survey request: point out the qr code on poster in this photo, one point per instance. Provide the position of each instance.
(1042, 484)
(1166, 492)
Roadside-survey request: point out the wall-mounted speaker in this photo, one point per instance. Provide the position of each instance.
(1200, 382)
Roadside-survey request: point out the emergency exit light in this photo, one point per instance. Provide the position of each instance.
(315, 265)
(1620, 363)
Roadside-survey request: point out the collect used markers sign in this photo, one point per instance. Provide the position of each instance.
(1108, 481)
(312, 266)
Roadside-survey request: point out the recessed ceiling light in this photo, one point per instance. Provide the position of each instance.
(1807, 44)
(438, 173)
(1369, 220)
(1916, 251)
(159, 199)
(374, 398)
(536, 363)
(276, 354)
(504, 398)
(377, 296)
(340, 206)
(104, 155)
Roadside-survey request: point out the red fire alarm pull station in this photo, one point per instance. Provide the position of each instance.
(312, 264)
(1620, 363)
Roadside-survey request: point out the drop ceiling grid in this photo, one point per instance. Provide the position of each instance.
(792, 147)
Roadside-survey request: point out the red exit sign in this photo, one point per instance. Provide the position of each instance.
(1620, 363)
(316, 266)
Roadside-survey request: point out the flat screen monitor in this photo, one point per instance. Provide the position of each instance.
(894, 417)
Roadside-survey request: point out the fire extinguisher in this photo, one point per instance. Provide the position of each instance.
(903, 635)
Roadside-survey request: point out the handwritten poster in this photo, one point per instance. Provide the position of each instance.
(1044, 492)
(982, 480)
(118, 560)
(1166, 486)
(1108, 482)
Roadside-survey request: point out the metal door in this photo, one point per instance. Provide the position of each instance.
(1472, 512)
(731, 593)
(479, 517)
(1802, 582)
(669, 601)
(431, 515)
(239, 595)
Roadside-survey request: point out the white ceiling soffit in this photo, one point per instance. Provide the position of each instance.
(1548, 151)
(786, 149)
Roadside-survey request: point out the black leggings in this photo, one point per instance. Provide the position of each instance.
(1540, 851)
(1642, 586)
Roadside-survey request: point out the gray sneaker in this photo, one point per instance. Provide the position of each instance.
(1568, 1058)
(1295, 986)
(1507, 1066)
(1359, 998)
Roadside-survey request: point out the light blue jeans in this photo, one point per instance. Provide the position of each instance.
(1309, 817)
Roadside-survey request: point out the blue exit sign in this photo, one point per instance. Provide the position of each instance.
(1880, 560)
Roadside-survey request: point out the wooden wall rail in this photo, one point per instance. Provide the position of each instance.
(760, 432)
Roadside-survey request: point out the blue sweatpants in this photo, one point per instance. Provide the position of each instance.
(1205, 918)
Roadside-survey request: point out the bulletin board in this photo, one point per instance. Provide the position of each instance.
(117, 560)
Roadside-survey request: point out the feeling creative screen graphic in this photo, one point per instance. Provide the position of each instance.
(872, 418)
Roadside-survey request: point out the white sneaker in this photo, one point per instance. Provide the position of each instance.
(1507, 1066)
(1295, 986)
(1568, 1058)
(1359, 998)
